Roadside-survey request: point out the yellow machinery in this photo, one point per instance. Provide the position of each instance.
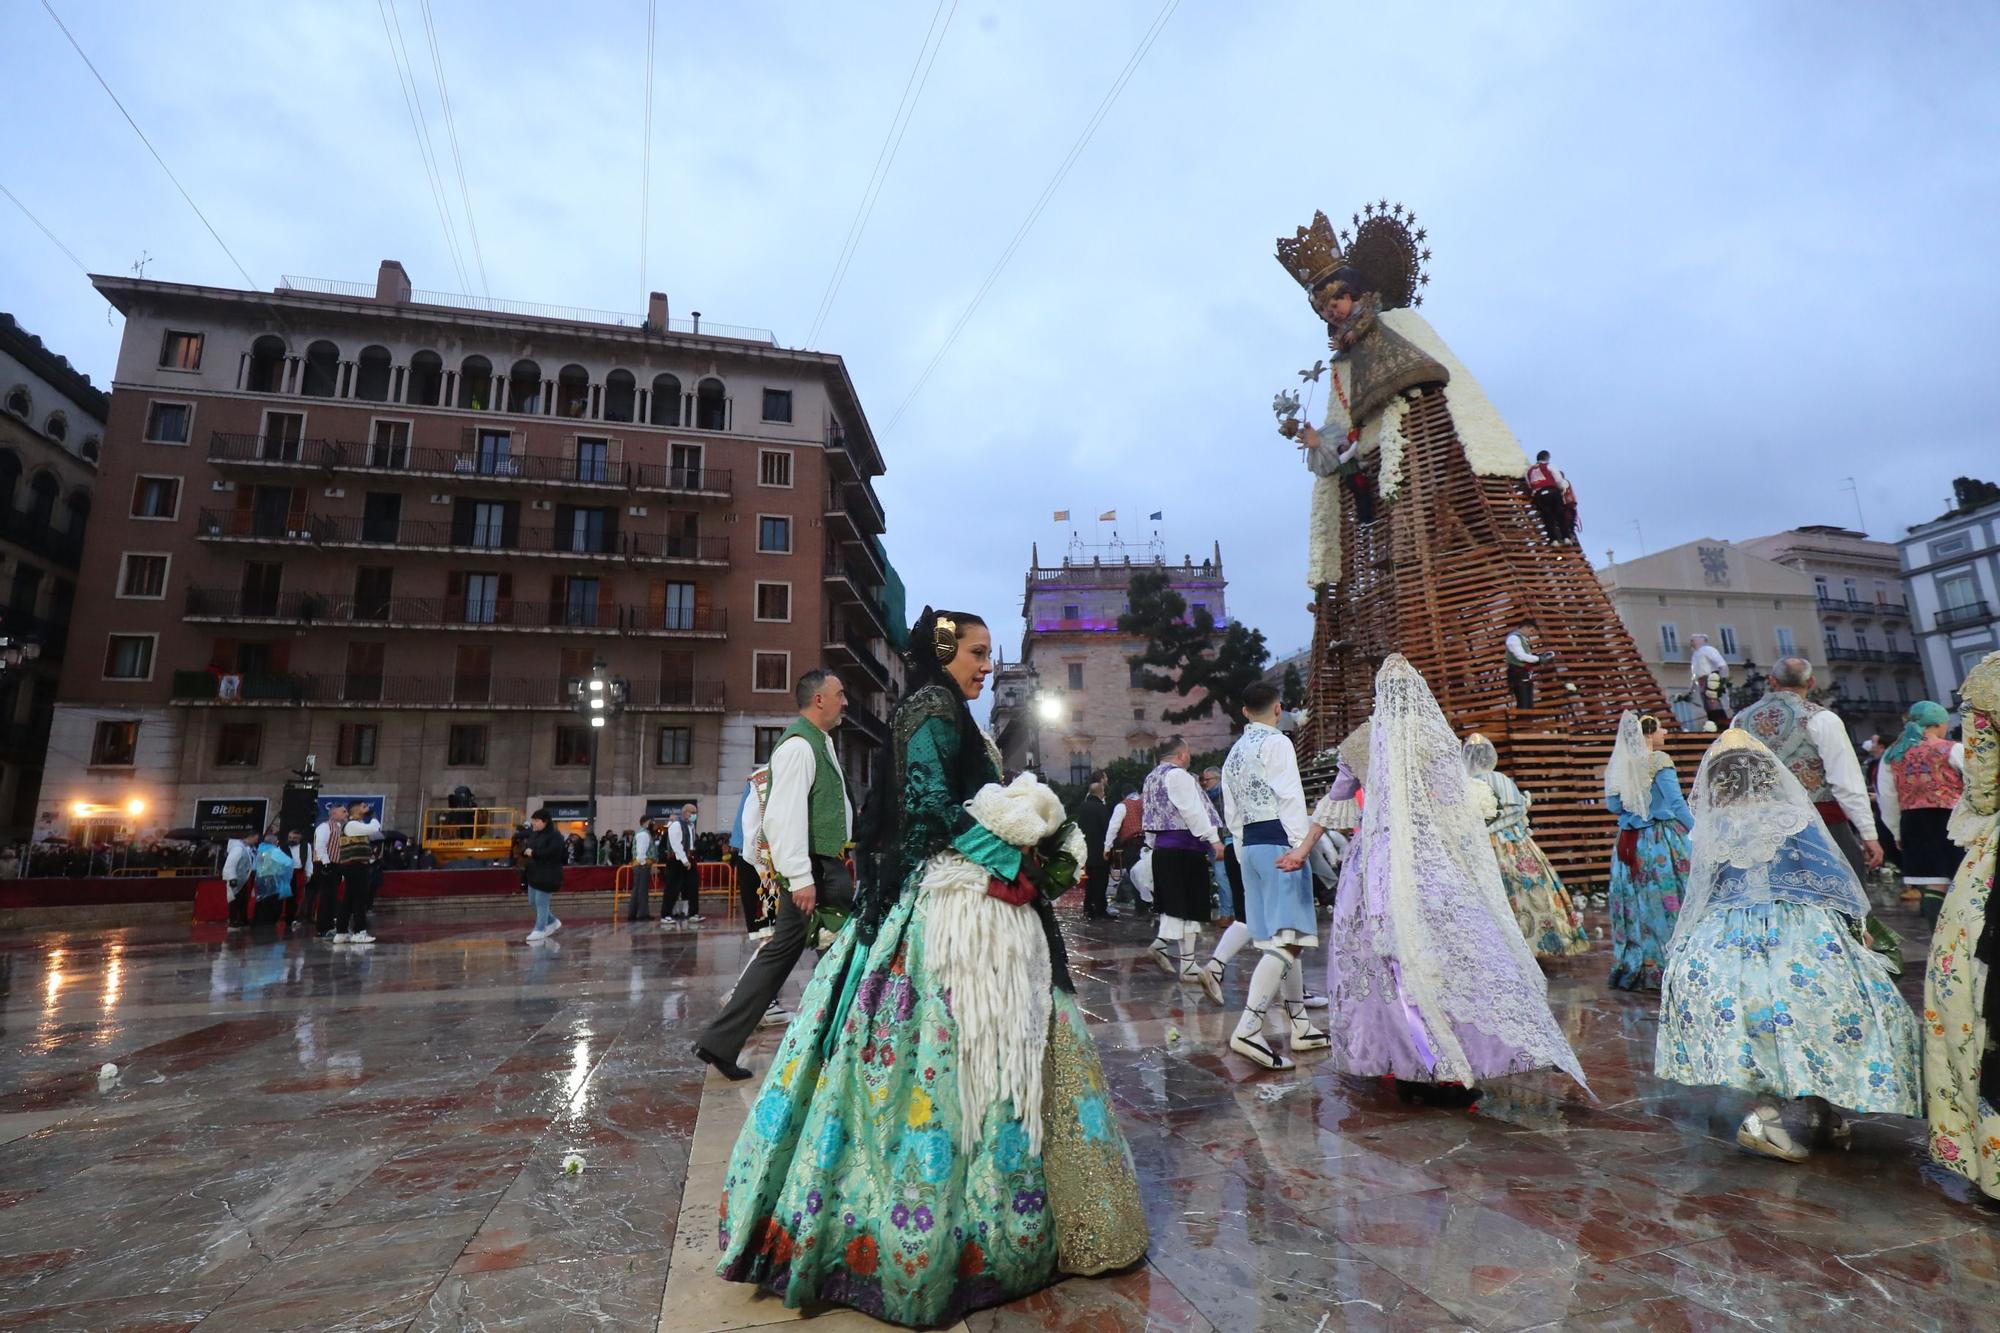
(479, 833)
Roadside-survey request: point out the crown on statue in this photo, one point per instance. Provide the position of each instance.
(1313, 254)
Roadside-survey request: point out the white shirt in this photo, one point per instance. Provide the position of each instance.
(302, 856)
(1117, 822)
(323, 852)
(753, 822)
(1185, 792)
(1705, 660)
(1276, 761)
(787, 823)
(369, 829)
(642, 847)
(677, 840)
(1843, 771)
(1518, 651)
(236, 867)
(1891, 801)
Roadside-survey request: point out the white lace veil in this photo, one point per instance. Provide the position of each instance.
(1464, 963)
(1759, 840)
(1354, 751)
(1629, 775)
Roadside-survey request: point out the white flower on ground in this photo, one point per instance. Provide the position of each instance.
(107, 1073)
(573, 1164)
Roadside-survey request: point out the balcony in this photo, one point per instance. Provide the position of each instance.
(1881, 606)
(856, 649)
(415, 534)
(341, 690)
(262, 453)
(51, 635)
(1952, 617)
(305, 610)
(854, 582)
(861, 719)
(679, 696)
(1834, 654)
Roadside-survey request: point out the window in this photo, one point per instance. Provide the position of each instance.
(1727, 633)
(259, 587)
(774, 601)
(495, 457)
(580, 602)
(664, 405)
(374, 373)
(472, 674)
(1786, 647)
(156, 497)
(1861, 638)
(465, 746)
(1076, 675)
(771, 673)
(572, 746)
(1670, 641)
(129, 657)
(1072, 611)
(143, 576)
(1832, 637)
(363, 680)
(18, 402)
(774, 466)
(679, 609)
(1957, 592)
(56, 427)
(589, 530)
(1138, 715)
(1079, 770)
(1135, 674)
(115, 745)
(489, 524)
(777, 404)
(763, 741)
(711, 406)
(774, 534)
(676, 748)
(169, 423)
(1851, 589)
(389, 445)
(1881, 593)
(356, 745)
(593, 460)
(684, 467)
(482, 599)
(381, 516)
(1869, 684)
(1940, 548)
(374, 592)
(180, 351)
(237, 744)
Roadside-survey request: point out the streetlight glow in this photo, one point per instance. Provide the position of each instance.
(597, 719)
(1050, 708)
(135, 807)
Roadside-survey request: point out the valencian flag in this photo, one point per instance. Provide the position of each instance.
(1062, 516)
(1108, 516)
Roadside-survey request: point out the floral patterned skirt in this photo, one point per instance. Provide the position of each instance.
(848, 1184)
(1548, 920)
(1644, 904)
(1965, 1127)
(1779, 999)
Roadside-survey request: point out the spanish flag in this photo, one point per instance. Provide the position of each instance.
(1062, 516)
(1108, 516)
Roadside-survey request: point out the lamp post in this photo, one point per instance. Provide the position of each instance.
(597, 698)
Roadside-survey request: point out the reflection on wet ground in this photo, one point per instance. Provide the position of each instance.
(305, 1137)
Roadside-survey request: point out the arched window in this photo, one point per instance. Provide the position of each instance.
(56, 427)
(267, 365)
(426, 383)
(78, 505)
(91, 448)
(621, 392)
(322, 377)
(524, 389)
(475, 383)
(10, 477)
(18, 401)
(372, 373)
(42, 494)
(710, 410)
(666, 401)
(573, 392)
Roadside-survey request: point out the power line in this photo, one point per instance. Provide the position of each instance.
(406, 79)
(646, 157)
(458, 159)
(885, 157)
(248, 280)
(53, 239)
(1048, 192)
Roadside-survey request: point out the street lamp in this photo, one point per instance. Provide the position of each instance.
(597, 698)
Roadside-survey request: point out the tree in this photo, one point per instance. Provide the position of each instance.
(1185, 653)
(1293, 690)
(1972, 493)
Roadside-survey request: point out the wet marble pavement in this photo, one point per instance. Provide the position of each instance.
(304, 1137)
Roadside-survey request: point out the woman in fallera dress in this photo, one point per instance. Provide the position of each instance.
(1548, 920)
(1649, 862)
(935, 1134)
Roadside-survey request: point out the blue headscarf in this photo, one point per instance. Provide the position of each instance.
(1923, 713)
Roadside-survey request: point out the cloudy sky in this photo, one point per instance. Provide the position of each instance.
(1717, 257)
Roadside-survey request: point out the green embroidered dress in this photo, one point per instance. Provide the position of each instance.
(857, 1178)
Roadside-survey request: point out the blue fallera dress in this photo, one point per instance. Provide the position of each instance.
(1649, 869)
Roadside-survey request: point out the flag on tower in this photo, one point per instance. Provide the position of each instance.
(1062, 516)
(1157, 515)
(1108, 516)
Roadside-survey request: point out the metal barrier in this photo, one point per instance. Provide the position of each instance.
(710, 876)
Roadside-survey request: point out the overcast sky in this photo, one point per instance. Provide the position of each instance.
(1717, 257)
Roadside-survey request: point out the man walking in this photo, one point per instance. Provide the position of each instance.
(682, 896)
(1708, 673)
(1093, 816)
(642, 874)
(239, 865)
(808, 824)
(324, 888)
(358, 837)
(1183, 838)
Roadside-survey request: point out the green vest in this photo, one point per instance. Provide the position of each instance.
(826, 806)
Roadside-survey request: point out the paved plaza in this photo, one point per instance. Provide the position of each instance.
(304, 1137)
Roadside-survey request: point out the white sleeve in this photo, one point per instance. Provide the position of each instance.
(1232, 812)
(753, 824)
(1843, 771)
(1958, 757)
(1281, 770)
(321, 852)
(677, 841)
(1322, 814)
(1889, 799)
(1111, 827)
(1186, 795)
(787, 824)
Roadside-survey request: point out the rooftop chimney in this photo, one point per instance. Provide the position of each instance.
(656, 312)
(392, 285)
(697, 321)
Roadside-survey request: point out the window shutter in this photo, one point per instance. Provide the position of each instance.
(461, 522)
(454, 589)
(295, 509)
(510, 525)
(224, 655)
(246, 499)
(569, 455)
(656, 603)
(468, 441)
(504, 612)
(281, 657)
(558, 598)
(701, 606)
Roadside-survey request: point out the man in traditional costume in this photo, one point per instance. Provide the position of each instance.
(1184, 841)
(808, 823)
(1553, 497)
(1812, 743)
(1264, 807)
(1919, 781)
(1962, 983)
(1524, 655)
(1708, 674)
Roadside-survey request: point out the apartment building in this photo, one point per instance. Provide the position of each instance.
(390, 528)
(1951, 568)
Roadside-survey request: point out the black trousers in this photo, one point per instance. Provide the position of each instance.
(239, 906)
(1555, 515)
(765, 976)
(357, 895)
(746, 892)
(678, 886)
(1096, 877)
(1521, 680)
(642, 893)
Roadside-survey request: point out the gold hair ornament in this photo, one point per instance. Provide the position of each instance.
(944, 639)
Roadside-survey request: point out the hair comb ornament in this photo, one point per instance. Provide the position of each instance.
(1737, 739)
(944, 638)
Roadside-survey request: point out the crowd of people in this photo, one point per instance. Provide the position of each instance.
(56, 859)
